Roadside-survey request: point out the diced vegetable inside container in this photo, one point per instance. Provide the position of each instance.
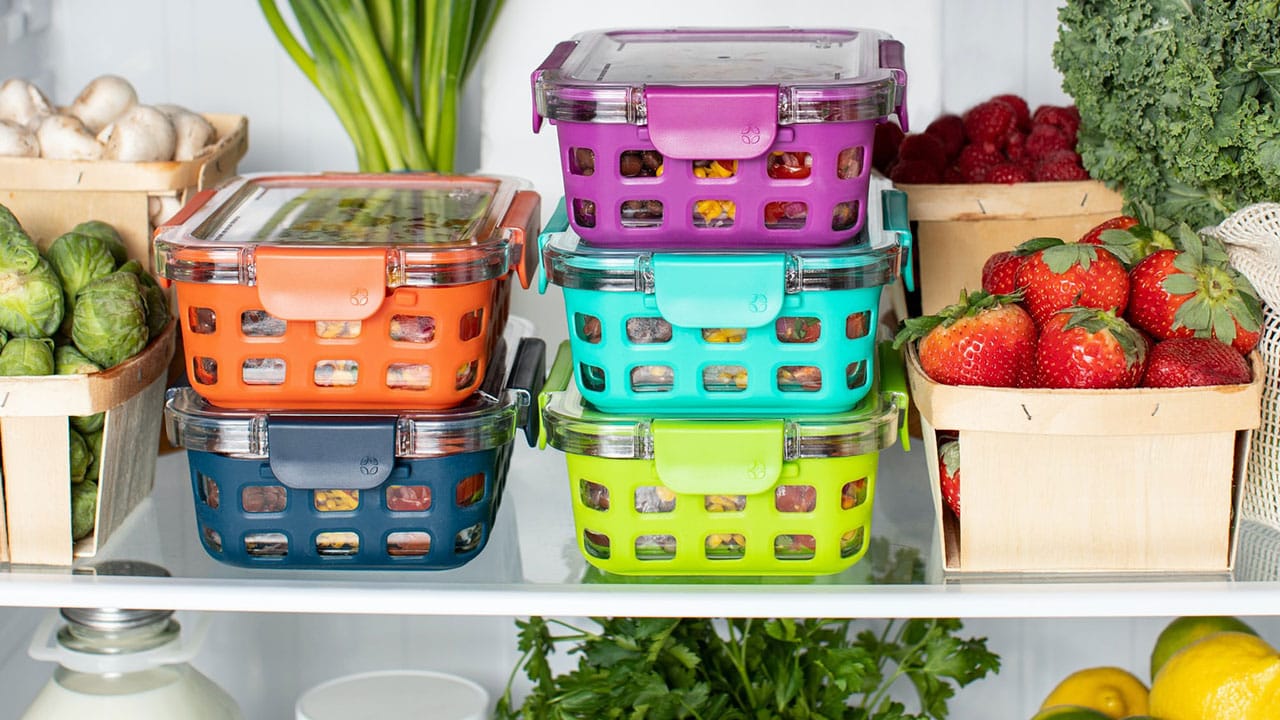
(337, 544)
(330, 329)
(794, 547)
(593, 495)
(655, 499)
(412, 328)
(648, 330)
(652, 378)
(264, 499)
(259, 323)
(724, 335)
(655, 547)
(468, 538)
(336, 500)
(408, 498)
(795, 498)
(724, 378)
(409, 543)
(725, 503)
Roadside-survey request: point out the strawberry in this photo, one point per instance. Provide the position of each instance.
(1119, 222)
(999, 271)
(1021, 113)
(982, 340)
(949, 129)
(1060, 166)
(1045, 139)
(949, 474)
(1089, 348)
(988, 124)
(1006, 174)
(924, 147)
(975, 160)
(1194, 292)
(1190, 362)
(884, 148)
(1059, 275)
(914, 171)
(1133, 243)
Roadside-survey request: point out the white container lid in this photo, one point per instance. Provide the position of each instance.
(395, 695)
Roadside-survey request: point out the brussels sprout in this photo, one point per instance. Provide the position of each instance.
(67, 360)
(78, 258)
(31, 303)
(107, 234)
(153, 295)
(110, 322)
(18, 252)
(84, 508)
(27, 356)
(78, 455)
(93, 440)
(4, 338)
(88, 423)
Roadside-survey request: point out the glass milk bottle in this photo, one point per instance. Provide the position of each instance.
(124, 665)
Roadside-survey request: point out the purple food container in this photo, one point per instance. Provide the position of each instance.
(719, 138)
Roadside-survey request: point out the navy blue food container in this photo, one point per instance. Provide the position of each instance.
(355, 490)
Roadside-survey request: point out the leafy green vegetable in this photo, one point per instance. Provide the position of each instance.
(27, 356)
(107, 234)
(153, 295)
(78, 258)
(659, 668)
(1179, 100)
(18, 252)
(392, 70)
(110, 322)
(84, 508)
(31, 301)
(78, 451)
(67, 360)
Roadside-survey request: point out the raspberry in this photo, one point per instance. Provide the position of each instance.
(1015, 146)
(925, 148)
(950, 130)
(1060, 165)
(975, 160)
(989, 123)
(914, 171)
(1021, 113)
(1007, 174)
(885, 146)
(1066, 119)
(952, 176)
(1045, 139)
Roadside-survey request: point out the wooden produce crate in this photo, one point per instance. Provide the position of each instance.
(1089, 481)
(50, 197)
(34, 412)
(957, 227)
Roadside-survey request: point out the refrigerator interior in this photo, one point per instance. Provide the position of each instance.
(220, 57)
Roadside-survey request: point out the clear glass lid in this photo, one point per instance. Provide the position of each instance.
(821, 75)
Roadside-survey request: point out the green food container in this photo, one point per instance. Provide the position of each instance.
(748, 497)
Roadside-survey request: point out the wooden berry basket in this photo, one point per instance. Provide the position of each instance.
(35, 528)
(1089, 481)
(957, 227)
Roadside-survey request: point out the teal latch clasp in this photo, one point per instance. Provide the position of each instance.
(716, 291)
(717, 458)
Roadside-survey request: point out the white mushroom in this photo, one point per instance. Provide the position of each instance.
(63, 137)
(194, 133)
(162, 207)
(23, 103)
(103, 100)
(17, 141)
(141, 134)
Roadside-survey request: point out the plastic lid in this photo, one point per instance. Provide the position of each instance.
(412, 229)
(483, 422)
(821, 75)
(573, 426)
(871, 260)
(393, 695)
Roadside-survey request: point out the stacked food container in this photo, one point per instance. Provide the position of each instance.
(722, 260)
(350, 404)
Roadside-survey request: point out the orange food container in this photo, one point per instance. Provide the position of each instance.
(345, 290)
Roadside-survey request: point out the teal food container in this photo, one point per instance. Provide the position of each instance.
(726, 333)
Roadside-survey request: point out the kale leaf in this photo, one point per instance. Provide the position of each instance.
(1179, 100)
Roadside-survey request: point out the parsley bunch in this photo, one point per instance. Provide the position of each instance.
(1179, 100)
(742, 669)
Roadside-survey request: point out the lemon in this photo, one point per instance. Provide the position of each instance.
(1223, 676)
(1069, 712)
(1186, 630)
(1112, 691)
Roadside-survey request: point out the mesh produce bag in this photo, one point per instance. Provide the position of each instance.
(1252, 238)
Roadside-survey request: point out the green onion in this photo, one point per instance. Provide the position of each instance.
(392, 70)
